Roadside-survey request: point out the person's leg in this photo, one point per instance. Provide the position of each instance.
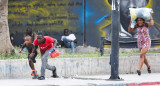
(67, 42)
(142, 56)
(147, 64)
(44, 60)
(45, 65)
(73, 45)
(31, 63)
(52, 68)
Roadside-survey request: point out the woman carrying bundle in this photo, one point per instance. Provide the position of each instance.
(143, 40)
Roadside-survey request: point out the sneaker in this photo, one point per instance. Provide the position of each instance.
(35, 77)
(34, 74)
(139, 72)
(54, 74)
(41, 78)
(149, 69)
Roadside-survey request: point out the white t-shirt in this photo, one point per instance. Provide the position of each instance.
(70, 37)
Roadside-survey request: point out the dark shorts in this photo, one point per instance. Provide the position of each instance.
(33, 58)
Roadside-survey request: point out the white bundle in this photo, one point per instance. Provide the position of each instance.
(140, 13)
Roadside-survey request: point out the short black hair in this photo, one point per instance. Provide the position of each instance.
(66, 30)
(28, 36)
(29, 31)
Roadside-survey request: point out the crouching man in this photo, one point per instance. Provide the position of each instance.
(45, 43)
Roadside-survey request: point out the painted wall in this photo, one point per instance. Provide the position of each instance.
(49, 16)
(98, 20)
(52, 16)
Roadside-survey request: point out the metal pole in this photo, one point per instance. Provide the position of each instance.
(115, 26)
(102, 45)
(84, 25)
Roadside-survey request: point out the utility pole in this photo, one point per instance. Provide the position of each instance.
(115, 26)
(84, 24)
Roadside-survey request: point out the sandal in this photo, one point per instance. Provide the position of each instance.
(149, 69)
(139, 72)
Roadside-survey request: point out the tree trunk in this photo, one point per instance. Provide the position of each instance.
(5, 43)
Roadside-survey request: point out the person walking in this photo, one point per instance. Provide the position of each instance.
(45, 43)
(144, 41)
(29, 46)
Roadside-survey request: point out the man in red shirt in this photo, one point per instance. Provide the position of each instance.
(45, 44)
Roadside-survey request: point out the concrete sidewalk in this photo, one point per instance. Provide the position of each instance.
(97, 80)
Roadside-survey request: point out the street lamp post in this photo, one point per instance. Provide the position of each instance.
(115, 26)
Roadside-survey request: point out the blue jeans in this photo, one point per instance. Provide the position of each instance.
(70, 44)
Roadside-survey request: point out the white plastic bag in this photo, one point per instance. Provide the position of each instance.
(140, 13)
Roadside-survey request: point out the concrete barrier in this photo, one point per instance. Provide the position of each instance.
(79, 49)
(76, 66)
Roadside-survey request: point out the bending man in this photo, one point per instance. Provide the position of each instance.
(45, 44)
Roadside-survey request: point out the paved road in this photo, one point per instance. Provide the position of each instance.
(97, 80)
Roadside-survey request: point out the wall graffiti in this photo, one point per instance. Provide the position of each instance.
(45, 15)
(102, 17)
(54, 16)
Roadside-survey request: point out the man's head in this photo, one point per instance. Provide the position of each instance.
(66, 32)
(40, 38)
(28, 40)
(29, 31)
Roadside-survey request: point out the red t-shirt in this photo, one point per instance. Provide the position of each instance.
(45, 46)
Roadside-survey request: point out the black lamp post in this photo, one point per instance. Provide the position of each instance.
(115, 26)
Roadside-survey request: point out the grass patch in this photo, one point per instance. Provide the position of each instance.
(80, 55)
(122, 53)
(16, 55)
(24, 55)
(8, 56)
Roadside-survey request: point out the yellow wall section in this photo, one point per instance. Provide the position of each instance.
(149, 5)
(108, 4)
(31, 10)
